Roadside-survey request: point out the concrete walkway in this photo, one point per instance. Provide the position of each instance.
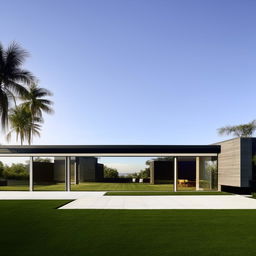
(41, 195)
(163, 202)
(97, 200)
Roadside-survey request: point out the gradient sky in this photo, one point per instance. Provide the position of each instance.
(138, 72)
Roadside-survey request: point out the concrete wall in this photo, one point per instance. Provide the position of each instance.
(87, 168)
(43, 172)
(100, 172)
(235, 162)
(229, 162)
(59, 169)
(161, 172)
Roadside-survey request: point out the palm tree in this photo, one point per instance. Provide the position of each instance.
(13, 78)
(242, 130)
(23, 125)
(36, 102)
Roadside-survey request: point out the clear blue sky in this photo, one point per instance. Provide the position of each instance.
(139, 72)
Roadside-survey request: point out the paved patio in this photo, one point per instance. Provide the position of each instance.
(41, 195)
(97, 200)
(163, 202)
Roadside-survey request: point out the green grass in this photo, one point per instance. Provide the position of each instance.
(14, 188)
(158, 193)
(101, 186)
(36, 228)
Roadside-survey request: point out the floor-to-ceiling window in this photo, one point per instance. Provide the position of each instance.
(208, 173)
(110, 173)
(14, 173)
(186, 173)
(122, 173)
(49, 173)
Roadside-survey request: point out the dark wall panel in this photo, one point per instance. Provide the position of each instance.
(43, 172)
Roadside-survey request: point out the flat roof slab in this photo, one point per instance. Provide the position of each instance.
(109, 149)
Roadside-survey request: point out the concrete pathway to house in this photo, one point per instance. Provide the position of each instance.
(163, 202)
(47, 195)
(97, 200)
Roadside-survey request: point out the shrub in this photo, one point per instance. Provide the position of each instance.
(110, 172)
(1, 169)
(204, 184)
(16, 172)
(43, 160)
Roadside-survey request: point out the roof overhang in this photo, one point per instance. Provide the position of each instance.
(110, 150)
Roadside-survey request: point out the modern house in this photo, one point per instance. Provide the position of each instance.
(229, 165)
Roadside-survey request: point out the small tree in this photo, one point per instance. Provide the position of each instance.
(242, 130)
(1, 169)
(144, 174)
(110, 172)
(23, 125)
(134, 175)
(43, 160)
(16, 171)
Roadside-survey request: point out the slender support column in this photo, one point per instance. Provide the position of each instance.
(197, 172)
(31, 174)
(152, 172)
(76, 171)
(175, 175)
(67, 173)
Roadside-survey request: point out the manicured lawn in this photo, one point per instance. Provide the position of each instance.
(159, 193)
(36, 228)
(101, 186)
(14, 188)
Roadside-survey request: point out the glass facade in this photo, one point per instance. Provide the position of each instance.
(91, 173)
(122, 174)
(208, 173)
(49, 174)
(186, 173)
(14, 173)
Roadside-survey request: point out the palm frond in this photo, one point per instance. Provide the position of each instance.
(4, 106)
(16, 88)
(15, 56)
(46, 102)
(47, 109)
(9, 135)
(12, 77)
(1, 56)
(22, 76)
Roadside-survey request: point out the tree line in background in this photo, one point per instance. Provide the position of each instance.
(142, 174)
(22, 101)
(16, 171)
(114, 174)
